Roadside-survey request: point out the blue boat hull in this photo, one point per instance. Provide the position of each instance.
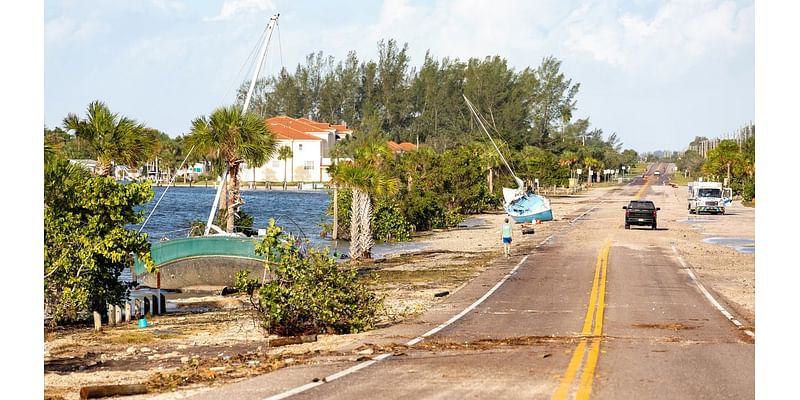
(541, 216)
(528, 208)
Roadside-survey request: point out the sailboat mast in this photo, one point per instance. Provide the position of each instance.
(272, 21)
(262, 54)
(472, 108)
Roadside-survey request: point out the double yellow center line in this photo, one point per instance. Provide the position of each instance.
(594, 317)
(647, 183)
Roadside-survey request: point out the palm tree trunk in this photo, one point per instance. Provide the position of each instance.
(360, 231)
(729, 173)
(233, 197)
(491, 179)
(366, 229)
(102, 168)
(335, 211)
(355, 227)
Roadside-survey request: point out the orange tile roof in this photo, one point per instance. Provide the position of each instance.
(285, 132)
(405, 146)
(342, 128)
(294, 123)
(307, 126)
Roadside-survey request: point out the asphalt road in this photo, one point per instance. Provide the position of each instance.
(595, 311)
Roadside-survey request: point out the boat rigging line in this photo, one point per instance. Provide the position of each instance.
(480, 121)
(165, 192)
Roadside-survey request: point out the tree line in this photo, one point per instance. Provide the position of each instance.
(378, 195)
(730, 160)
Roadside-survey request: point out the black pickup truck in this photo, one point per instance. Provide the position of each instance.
(640, 212)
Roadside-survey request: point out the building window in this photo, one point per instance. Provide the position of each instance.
(309, 165)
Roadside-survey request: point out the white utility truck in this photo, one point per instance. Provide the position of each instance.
(709, 197)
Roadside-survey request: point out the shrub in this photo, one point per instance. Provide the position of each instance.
(389, 224)
(86, 244)
(306, 292)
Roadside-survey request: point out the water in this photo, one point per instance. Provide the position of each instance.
(741, 245)
(300, 213)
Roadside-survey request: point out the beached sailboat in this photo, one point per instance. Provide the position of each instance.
(521, 204)
(211, 260)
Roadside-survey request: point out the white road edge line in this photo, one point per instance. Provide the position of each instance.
(365, 364)
(708, 295)
(588, 211)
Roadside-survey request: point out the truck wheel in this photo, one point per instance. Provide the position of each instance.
(627, 226)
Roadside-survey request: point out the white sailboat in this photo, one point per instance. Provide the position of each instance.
(520, 204)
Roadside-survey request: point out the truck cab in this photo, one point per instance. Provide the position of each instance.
(708, 197)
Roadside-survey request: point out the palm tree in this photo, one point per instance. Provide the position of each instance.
(236, 137)
(567, 159)
(366, 177)
(285, 153)
(590, 162)
(112, 138)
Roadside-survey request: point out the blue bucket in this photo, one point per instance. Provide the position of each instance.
(142, 323)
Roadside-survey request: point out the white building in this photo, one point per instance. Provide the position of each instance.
(310, 142)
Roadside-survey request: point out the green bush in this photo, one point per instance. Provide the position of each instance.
(86, 244)
(307, 293)
(389, 224)
(423, 210)
(745, 187)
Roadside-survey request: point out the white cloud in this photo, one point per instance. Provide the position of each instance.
(169, 5)
(231, 8)
(678, 35)
(62, 29)
(462, 28)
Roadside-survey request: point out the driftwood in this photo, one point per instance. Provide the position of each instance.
(94, 392)
(292, 340)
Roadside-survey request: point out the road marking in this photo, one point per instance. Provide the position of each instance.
(365, 364)
(708, 295)
(644, 187)
(594, 316)
(585, 387)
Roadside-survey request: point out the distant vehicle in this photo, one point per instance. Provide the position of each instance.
(641, 212)
(708, 197)
(657, 173)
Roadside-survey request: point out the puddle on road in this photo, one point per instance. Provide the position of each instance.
(694, 221)
(741, 245)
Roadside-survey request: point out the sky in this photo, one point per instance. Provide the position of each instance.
(656, 73)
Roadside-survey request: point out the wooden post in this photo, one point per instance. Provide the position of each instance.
(94, 392)
(98, 321)
(145, 306)
(110, 313)
(117, 314)
(127, 311)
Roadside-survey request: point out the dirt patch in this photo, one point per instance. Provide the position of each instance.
(667, 326)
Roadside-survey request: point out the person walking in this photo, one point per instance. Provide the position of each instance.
(507, 238)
